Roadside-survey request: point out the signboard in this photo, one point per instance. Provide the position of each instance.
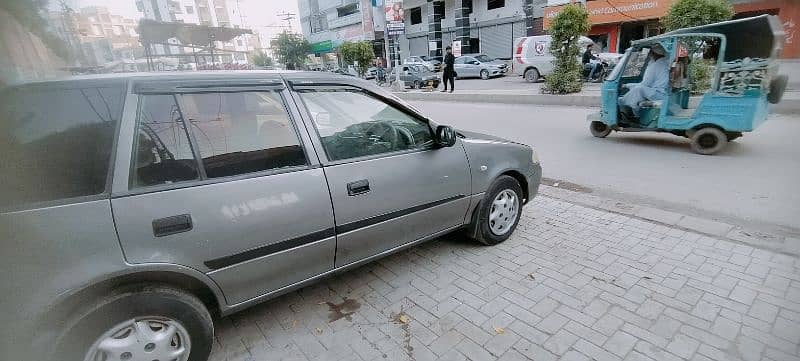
(615, 11)
(432, 46)
(395, 17)
(456, 48)
(322, 47)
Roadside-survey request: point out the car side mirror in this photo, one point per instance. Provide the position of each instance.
(445, 136)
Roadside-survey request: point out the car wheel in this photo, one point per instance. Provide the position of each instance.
(531, 75)
(708, 140)
(484, 74)
(140, 323)
(499, 212)
(599, 129)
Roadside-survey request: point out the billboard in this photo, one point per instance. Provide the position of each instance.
(395, 17)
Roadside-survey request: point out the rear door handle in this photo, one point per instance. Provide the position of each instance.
(172, 225)
(358, 187)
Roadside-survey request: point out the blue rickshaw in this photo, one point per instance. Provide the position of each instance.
(735, 71)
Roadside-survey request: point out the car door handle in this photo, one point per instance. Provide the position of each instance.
(357, 187)
(172, 225)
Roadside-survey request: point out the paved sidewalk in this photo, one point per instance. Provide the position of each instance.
(573, 283)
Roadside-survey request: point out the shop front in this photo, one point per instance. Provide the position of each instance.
(616, 23)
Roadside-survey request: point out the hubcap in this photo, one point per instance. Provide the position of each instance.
(707, 141)
(504, 212)
(143, 339)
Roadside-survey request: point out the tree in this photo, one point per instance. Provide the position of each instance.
(261, 59)
(566, 29)
(291, 49)
(688, 13)
(358, 52)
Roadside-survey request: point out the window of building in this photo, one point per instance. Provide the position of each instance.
(239, 133)
(57, 143)
(468, 5)
(163, 153)
(495, 4)
(189, 9)
(353, 124)
(416, 15)
(347, 10)
(440, 9)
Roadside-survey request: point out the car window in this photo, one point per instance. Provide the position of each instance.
(238, 133)
(484, 58)
(459, 60)
(56, 143)
(162, 152)
(353, 124)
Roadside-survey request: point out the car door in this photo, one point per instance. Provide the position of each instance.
(389, 184)
(222, 181)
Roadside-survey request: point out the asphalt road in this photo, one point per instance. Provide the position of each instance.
(753, 182)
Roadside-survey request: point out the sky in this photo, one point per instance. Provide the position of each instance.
(261, 15)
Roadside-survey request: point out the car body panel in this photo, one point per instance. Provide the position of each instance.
(50, 252)
(464, 69)
(440, 179)
(533, 52)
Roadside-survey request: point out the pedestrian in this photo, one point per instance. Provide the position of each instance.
(449, 73)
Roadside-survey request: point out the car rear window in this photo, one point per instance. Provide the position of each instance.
(56, 143)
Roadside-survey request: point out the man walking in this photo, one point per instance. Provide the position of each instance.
(449, 74)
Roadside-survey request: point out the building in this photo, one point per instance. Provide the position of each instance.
(615, 23)
(486, 26)
(217, 13)
(106, 37)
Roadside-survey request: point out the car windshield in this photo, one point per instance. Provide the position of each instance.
(483, 58)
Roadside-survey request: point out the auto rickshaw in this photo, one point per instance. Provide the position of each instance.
(740, 62)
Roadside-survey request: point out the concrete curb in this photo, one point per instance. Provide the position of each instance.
(787, 106)
(711, 228)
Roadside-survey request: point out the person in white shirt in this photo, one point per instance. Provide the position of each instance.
(654, 82)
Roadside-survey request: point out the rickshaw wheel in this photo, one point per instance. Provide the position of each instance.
(708, 140)
(599, 129)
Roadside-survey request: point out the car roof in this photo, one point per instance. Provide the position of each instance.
(210, 75)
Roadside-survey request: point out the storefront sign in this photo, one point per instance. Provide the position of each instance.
(432, 46)
(322, 47)
(395, 28)
(615, 11)
(456, 48)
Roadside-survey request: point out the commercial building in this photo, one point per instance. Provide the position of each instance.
(615, 23)
(217, 13)
(486, 26)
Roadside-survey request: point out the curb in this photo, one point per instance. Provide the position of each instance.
(711, 228)
(787, 107)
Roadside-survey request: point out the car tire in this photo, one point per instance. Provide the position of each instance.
(531, 75)
(776, 88)
(599, 129)
(708, 140)
(485, 230)
(484, 74)
(129, 308)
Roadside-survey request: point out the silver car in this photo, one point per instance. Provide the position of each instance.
(479, 66)
(135, 207)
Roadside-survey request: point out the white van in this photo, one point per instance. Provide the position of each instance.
(532, 59)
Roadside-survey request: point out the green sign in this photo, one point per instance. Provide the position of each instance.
(322, 47)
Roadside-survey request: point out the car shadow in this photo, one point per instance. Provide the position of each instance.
(672, 143)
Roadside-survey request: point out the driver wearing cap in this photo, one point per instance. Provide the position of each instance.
(654, 82)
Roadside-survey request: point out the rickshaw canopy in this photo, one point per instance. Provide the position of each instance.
(754, 37)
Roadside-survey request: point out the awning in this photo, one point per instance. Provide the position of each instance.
(152, 31)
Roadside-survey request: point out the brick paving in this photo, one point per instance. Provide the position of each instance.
(573, 283)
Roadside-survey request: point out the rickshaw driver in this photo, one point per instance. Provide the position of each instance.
(654, 82)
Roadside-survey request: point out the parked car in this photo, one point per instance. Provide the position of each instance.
(136, 206)
(417, 77)
(479, 66)
(532, 58)
(435, 60)
(417, 60)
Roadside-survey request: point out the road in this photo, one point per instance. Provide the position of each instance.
(753, 182)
